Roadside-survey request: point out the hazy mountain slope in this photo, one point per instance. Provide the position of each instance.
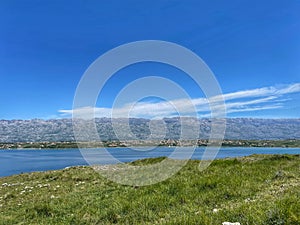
(62, 130)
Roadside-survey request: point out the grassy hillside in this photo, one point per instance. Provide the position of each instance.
(250, 190)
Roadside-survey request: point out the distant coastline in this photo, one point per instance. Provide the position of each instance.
(292, 143)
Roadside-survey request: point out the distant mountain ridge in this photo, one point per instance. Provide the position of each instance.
(37, 130)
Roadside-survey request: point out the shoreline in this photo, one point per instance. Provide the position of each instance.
(144, 146)
(292, 143)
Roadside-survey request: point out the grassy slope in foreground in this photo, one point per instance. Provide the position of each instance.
(250, 190)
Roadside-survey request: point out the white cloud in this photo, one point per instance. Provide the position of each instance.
(265, 98)
(290, 89)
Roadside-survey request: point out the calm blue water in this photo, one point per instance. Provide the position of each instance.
(20, 161)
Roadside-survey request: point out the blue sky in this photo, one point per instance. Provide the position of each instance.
(252, 47)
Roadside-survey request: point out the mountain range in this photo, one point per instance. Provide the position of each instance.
(38, 130)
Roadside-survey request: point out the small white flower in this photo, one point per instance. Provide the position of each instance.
(215, 210)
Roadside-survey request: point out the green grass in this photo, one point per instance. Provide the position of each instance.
(259, 189)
